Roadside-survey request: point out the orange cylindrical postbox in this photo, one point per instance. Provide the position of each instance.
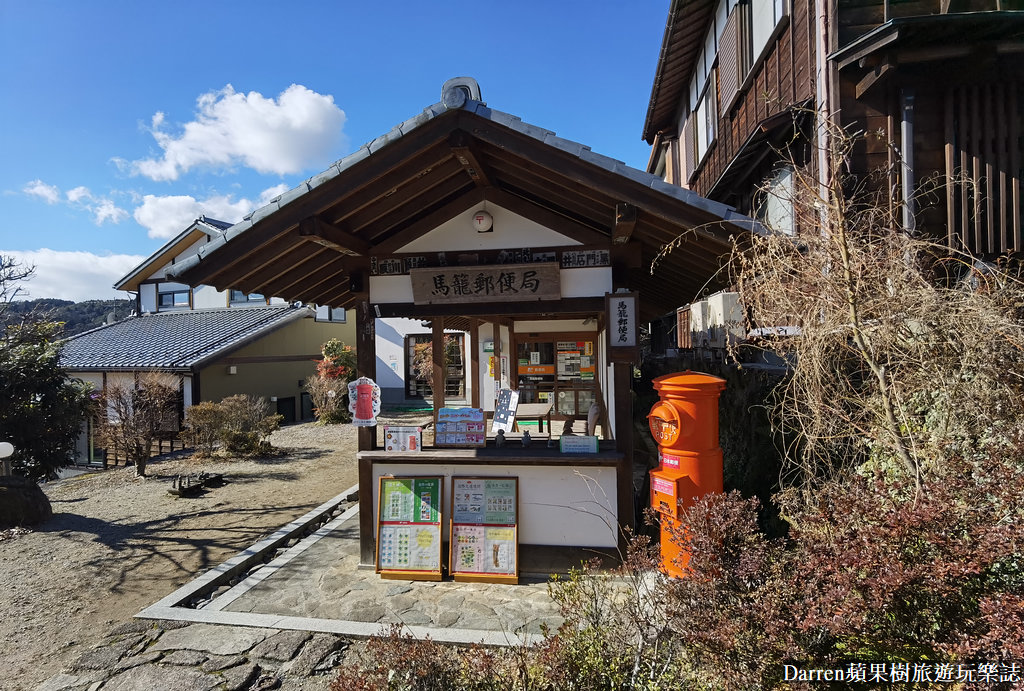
(685, 425)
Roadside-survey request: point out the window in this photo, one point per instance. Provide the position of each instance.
(337, 315)
(239, 296)
(774, 204)
(172, 299)
(756, 24)
(419, 367)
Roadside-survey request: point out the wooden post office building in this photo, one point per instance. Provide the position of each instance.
(534, 250)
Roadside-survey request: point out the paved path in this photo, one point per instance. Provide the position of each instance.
(280, 614)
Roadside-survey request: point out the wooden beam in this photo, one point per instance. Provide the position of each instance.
(427, 223)
(347, 185)
(622, 375)
(706, 225)
(871, 78)
(319, 231)
(440, 370)
(366, 362)
(474, 361)
(625, 222)
(461, 146)
(546, 217)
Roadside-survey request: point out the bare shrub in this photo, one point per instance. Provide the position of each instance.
(248, 423)
(204, 426)
(136, 413)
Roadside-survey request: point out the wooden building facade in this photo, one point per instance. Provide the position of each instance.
(938, 83)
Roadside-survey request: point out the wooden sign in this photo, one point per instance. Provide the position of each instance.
(621, 317)
(484, 529)
(409, 528)
(505, 411)
(498, 283)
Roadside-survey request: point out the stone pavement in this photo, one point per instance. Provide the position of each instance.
(280, 614)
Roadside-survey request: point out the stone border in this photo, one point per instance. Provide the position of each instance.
(181, 605)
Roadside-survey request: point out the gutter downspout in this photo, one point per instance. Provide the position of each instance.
(907, 157)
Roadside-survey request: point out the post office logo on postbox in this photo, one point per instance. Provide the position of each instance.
(664, 423)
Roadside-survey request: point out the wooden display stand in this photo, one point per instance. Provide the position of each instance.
(484, 530)
(409, 528)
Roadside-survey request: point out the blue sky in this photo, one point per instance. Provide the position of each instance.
(121, 121)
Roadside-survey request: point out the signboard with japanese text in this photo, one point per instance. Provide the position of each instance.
(500, 283)
(484, 529)
(409, 528)
(621, 326)
(460, 427)
(578, 257)
(403, 438)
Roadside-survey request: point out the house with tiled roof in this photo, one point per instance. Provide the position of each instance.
(214, 343)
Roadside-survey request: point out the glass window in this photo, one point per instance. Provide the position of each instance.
(239, 296)
(775, 205)
(331, 314)
(177, 298)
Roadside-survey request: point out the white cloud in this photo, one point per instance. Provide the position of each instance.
(103, 209)
(78, 194)
(165, 217)
(74, 275)
(38, 188)
(298, 130)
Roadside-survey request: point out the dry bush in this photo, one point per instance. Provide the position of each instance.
(204, 426)
(904, 346)
(136, 413)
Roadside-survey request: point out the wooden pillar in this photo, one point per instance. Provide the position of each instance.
(474, 361)
(622, 373)
(497, 357)
(366, 362)
(440, 369)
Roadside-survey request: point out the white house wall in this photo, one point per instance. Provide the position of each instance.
(206, 297)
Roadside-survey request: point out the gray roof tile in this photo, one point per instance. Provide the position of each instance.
(174, 340)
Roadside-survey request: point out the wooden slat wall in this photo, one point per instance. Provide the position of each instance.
(983, 167)
(783, 78)
(858, 17)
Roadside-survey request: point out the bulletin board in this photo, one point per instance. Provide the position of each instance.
(484, 529)
(409, 528)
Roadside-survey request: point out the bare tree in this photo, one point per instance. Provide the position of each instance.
(903, 349)
(136, 413)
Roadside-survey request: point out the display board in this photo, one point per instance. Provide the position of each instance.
(505, 411)
(409, 528)
(460, 427)
(485, 529)
(403, 438)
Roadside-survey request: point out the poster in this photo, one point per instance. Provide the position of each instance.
(403, 438)
(505, 411)
(364, 402)
(409, 528)
(460, 427)
(484, 529)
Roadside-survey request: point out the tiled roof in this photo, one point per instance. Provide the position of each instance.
(724, 212)
(175, 340)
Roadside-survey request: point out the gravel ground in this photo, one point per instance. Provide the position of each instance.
(117, 543)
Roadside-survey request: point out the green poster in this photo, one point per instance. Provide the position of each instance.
(410, 500)
(500, 502)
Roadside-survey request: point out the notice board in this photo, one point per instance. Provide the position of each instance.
(485, 529)
(409, 528)
(505, 411)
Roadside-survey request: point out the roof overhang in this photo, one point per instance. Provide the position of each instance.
(685, 30)
(315, 243)
(197, 230)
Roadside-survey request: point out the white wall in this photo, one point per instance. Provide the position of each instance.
(571, 506)
(510, 231)
(206, 297)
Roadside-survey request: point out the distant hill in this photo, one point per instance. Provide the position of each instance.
(77, 316)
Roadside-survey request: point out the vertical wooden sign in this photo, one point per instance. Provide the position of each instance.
(485, 529)
(409, 528)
